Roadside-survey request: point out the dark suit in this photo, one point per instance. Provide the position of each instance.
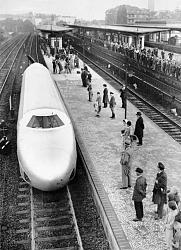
(105, 97)
(139, 126)
(160, 192)
(84, 78)
(139, 194)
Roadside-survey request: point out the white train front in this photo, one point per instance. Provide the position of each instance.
(46, 145)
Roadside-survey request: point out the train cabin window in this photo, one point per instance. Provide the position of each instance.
(52, 121)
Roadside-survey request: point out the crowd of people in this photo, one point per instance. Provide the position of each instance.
(150, 58)
(161, 194)
(106, 99)
(65, 61)
(109, 100)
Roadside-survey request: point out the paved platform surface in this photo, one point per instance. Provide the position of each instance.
(103, 141)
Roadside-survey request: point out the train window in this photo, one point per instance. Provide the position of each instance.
(52, 121)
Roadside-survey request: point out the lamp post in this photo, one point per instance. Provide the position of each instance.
(128, 73)
(83, 47)
(126, 77)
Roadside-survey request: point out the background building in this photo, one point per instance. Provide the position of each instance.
(126, 14)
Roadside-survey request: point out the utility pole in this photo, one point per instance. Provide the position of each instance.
(126, 77)
(128, 73)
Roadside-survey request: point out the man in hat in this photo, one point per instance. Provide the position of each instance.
(112, 105)
(139, 194)
(139, 127)
(123, 96)
(84, 73)
(160, 190)
(90, 91)
(105, 99)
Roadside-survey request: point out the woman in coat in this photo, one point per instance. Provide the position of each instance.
(160, 190)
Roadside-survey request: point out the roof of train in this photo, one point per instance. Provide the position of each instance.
(39, 90)
(136, 30)
(53, 28)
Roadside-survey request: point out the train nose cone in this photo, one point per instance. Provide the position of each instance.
(47, 166)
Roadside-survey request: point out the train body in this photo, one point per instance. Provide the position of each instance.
(46, 146)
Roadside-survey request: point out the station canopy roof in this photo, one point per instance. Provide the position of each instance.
(53, 28)
(123, 29)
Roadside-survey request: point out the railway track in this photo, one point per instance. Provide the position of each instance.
(115, 60)
(46, 220)
(169, 123)
(150, 84)
(8, 68)
(140, 71)
(52, 218)
(33, 219)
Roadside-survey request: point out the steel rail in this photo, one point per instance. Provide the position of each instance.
(138, 96)
(11, 66)
(7, 56)
(148, 83)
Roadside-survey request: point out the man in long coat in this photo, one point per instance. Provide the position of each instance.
(126, 163)
(112, 105)
(123, 96)
(84, 75)
(160, 190)
(139, 194)
(105, 98)
(139, 127)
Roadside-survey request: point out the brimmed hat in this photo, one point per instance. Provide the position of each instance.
(138, 113)
(161, 166)
(104, 85)
(129, 123)
(139, 170)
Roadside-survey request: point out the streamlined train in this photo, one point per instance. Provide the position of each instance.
(46, 146)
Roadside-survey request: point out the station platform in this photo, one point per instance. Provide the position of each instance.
(102, 138)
